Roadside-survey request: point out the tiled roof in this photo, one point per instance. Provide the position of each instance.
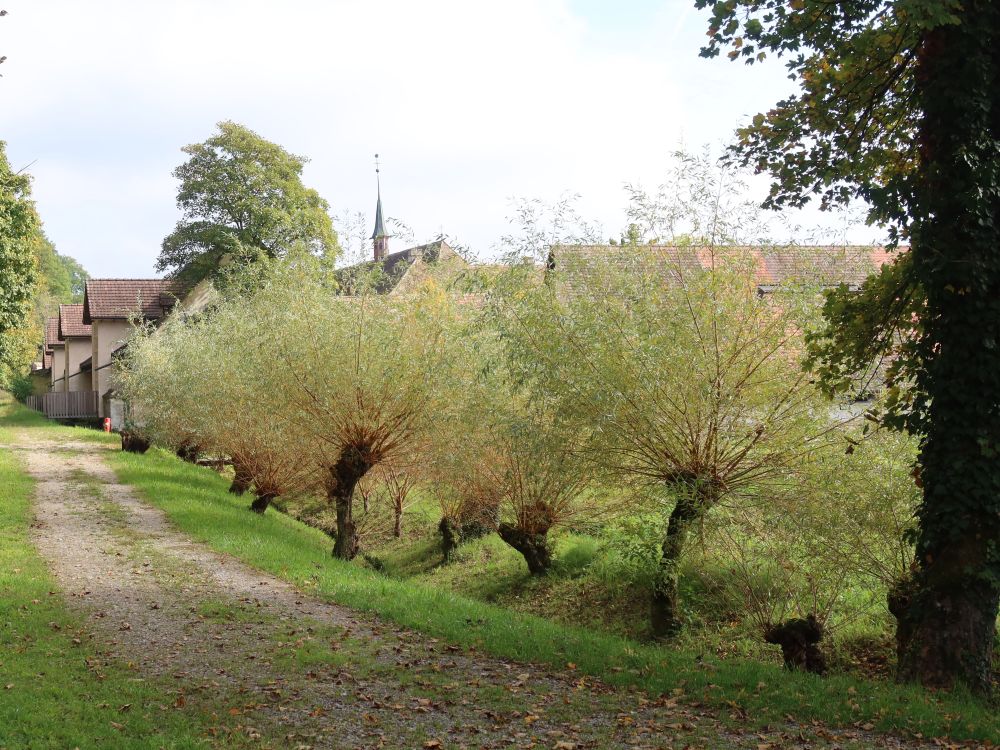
(71, 321)
(46, 360)
(51, 333)
(582, 266)
(122, 298)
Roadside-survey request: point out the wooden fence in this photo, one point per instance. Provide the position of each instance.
(65, 405)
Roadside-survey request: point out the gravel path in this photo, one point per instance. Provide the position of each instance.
(280, 669)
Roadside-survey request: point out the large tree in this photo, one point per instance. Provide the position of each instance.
(18, 266)
(899, 105)
(242, 198)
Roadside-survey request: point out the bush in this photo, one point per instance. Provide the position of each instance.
(21, 387)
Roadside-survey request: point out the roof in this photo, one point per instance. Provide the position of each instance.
(120, 299)
(71, 323)
(46, 360)
(379, 225)
(394, 266)
(51, 334)
(581, 266)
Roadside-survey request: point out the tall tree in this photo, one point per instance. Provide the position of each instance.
(242, 197)
(61, 279)
(18, 267)
(899, 104)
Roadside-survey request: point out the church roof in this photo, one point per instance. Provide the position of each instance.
(379, 225)
(384, 275)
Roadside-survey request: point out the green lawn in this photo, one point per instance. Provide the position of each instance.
(197, 502)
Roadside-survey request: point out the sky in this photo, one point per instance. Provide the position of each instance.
(471, 105)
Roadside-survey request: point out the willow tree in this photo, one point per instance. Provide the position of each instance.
(364, 377)
(207, 381)
(686, 379)
(899, 105)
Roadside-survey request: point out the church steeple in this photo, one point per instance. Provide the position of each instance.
(380, 239)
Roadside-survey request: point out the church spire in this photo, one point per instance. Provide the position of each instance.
(380, 239)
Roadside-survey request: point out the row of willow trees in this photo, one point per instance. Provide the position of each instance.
(518, 406)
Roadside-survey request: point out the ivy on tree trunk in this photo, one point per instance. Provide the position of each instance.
(947, 615)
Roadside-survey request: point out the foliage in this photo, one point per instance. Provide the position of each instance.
(684, 379)
(504, 459)
(897, 106)
(307, 390)
(542, 224)
(700, 203)
(243, 198)
(18, 268)
(21, 387)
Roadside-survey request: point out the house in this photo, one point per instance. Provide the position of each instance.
(573, 268)
(75, 335)
(109, 308)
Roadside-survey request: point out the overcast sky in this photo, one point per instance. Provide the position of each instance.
(470, 105)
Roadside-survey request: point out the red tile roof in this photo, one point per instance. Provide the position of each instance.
(71, 322)
(46, 360)
(51, 333)
(120, 299)
(582, 266)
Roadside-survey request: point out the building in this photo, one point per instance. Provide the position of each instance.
(402, 271)
(110, 306)
(54, 355)
(75, 335)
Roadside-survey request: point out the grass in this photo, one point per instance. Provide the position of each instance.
(58, 691)
(197, 502)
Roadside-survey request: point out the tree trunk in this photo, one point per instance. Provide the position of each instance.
(534, 547)
(451, 537)
(188, 452)
(799, 640)
(664, 609)
(946, 616)
(242, 480)
(397, 527)
(351, 466)
(261, 501)
(133, 443)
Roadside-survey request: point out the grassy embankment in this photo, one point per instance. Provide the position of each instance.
(197, 502)
(57, 690)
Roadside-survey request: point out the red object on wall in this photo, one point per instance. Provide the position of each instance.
(107, 424)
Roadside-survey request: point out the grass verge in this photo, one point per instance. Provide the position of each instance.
(196, 501)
